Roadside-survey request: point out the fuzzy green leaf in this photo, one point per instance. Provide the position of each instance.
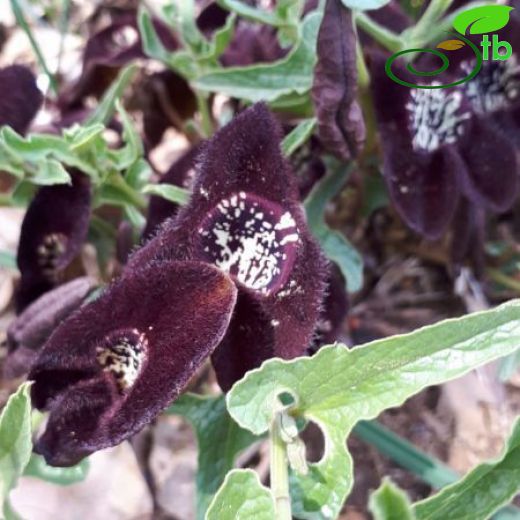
(334, 244)
(268, 82)
(481, 492)
(15, 441)
(298, 136)
(38, 468)
(483, 19)
(364, 5)
(50, 172)
(133, 149)
(390, 503)
(337, 387)
(219, 440)
(242, 497)
(168, 192)
(106, 107)
(249, 12)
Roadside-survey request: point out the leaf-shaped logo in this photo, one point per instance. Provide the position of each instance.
(481, 20)
(451, 45)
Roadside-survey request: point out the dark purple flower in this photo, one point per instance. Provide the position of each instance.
(235, 274)
(53, 231)
(438, 147)
(33, 327)
(250, 44)
(20, 98)
(106, 52)
(245, 217)
(115, 364)
(340, 121)
(166, 100)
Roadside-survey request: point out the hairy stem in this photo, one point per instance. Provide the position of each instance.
(22, 22)
(380, 34)
(205, 114)
(422, 31)
(136, 198)
(279, 472)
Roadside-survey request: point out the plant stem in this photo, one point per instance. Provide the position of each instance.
(421, 33)
(103, 227)
(366, 101)
(279, 472)
(205, 114)
(136, 198)
(22, 22)
(63, 27)
(386, 38)
(507, 281)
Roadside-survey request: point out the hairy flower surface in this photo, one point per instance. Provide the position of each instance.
(245, 217)
(235, 274)
(20, 98)
(114, 365)
(53, 231)
(438, 146)
(106, 52)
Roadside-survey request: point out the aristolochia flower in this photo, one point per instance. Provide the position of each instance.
(437, 145)
(53, 231)
(20, 98)
(235, 274)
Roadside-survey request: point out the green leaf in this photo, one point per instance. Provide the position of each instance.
(242, 497)
(334, 244)
(181, 61)
(34, 147)
(396, 448)
(221, 38)
(138, 174)
(337, 387)
(38, 468)
(481, 492)
(15, 440)
(7, 259)
(82, 136)
(181, 17)
(250, 13)
(23, 193)
(133, 149)
(105, 110)
(169, 192)
(270, 81)
(50, 172)
(364, 5)
(219, 440)
(298, 136)
(509, 366)
(390, 503)
(135, 217)
(483, 19)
